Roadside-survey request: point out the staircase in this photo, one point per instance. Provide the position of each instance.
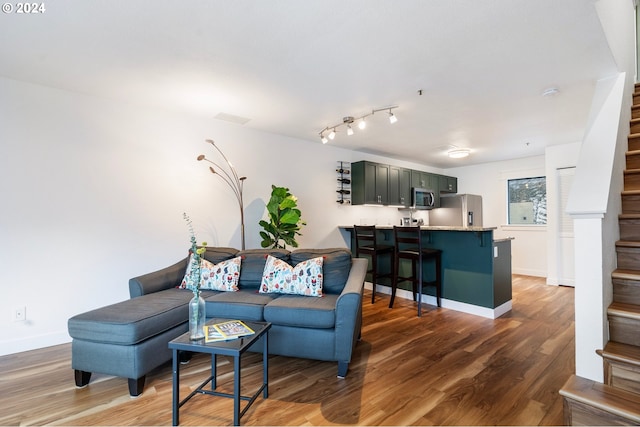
(617, 401)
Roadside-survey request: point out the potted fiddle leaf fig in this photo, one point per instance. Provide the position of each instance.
(285, 220)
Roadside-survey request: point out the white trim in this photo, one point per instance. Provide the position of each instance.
(489, 313)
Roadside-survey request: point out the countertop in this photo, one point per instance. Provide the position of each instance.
(431, 227)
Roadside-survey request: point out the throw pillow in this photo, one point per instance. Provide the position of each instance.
(223, 276)
(303, 279)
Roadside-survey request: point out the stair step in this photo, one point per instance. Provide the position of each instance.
(633, 159)
(621, 366)
(628, 253)
(635, 111)
(633, 143)
(587, 402)
(629, 224)
(624, 323)
(631, 201)
(632, 179)
(626, 286)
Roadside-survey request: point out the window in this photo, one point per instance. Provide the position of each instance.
(527, 200)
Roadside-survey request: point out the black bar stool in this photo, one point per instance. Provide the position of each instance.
(409, 245)
(367, 244)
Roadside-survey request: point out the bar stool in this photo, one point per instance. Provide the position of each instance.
(367, 244)
(409, 245)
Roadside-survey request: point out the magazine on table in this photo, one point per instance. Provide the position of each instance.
(228, 330)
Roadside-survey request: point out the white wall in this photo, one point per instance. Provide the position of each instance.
(490, 181)
(94, 190)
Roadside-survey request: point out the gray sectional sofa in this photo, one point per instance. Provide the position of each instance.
(128, 339)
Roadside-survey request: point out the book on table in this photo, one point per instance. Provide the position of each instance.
(228, 330)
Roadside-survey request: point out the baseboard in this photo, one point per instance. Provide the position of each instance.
(489, 313)
(529, 272)
(33, 342)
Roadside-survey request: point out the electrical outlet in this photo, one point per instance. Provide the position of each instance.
(20, 314)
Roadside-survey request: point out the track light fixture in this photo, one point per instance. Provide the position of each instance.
(349, 120)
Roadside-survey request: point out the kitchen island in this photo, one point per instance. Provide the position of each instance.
(476, 269)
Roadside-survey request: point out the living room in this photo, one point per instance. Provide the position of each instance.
(95, 186)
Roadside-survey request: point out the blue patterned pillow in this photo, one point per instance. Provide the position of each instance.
(303, 279)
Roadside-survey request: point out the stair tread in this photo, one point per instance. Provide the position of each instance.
(626, 274)
(631, 192)
(634, 135)
(628, 243)
(632, 152)
(621, 352)
(610, 399)
(629, 216)
(631, 171)
(621, 309)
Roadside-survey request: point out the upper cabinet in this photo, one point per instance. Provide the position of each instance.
(380, 184)
(399, 186)
(448, 184)
(369, 183)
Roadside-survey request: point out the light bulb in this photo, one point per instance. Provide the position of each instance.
(349, 130)
(324, 139)
(332, 134)
(362, 124)
(392, 118)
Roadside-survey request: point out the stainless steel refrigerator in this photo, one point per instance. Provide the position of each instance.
(458, 210)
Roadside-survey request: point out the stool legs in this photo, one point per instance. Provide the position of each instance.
(417, 282)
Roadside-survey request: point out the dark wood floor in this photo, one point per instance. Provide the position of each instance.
(446, 368)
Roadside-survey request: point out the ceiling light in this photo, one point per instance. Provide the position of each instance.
(550, 91)
(458, 153)
(349, 120)
(349, 130)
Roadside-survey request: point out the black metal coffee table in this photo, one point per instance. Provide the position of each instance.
(234, 348)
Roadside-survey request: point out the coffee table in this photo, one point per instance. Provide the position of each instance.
(234, 348)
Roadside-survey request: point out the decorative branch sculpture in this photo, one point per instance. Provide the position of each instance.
(231, 178)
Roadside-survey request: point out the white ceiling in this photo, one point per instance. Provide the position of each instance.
(293, 67)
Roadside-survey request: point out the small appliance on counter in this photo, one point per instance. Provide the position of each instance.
(457, 210)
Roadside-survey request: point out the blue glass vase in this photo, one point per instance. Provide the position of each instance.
(196, 318)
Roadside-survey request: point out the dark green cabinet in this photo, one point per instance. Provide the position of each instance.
(399, 186)
(369, 183)
(380, 184)
(448, 184)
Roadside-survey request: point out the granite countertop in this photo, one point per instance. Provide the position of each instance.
(432, 228)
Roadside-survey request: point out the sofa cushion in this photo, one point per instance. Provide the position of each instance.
(253, 261)
(242, 305)
(304, 278)
(134, 320)
(302, 312)
(336, 266)
(216, 255)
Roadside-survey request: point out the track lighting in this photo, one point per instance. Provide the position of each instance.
(348, 121)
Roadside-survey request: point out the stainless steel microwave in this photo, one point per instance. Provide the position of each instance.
(422, 198)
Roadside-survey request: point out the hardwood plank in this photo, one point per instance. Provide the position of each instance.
(446, 368)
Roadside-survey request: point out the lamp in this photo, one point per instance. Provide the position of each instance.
(348, 121)
(231, 179)
(458, 153)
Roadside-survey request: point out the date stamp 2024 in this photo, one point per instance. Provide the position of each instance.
(24, 8)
